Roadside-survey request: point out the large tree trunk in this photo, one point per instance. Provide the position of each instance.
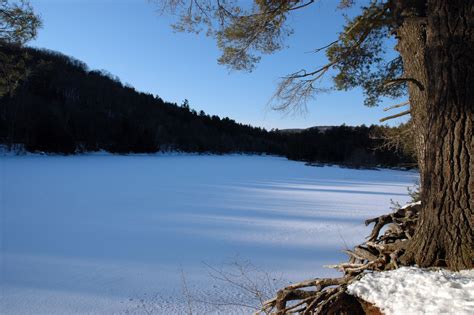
(438, 53)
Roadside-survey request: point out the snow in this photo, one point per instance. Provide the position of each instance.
(411, 204)
(110, 234)
(410, 290)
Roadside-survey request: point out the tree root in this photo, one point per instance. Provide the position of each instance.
(380, 252)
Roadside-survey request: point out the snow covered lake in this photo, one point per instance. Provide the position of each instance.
(103, 234)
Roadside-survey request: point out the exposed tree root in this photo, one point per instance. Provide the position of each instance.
(380, 252)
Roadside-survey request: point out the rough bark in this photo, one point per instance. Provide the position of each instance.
(438, 52)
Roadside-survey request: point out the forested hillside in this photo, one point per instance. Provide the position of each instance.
(61, 106)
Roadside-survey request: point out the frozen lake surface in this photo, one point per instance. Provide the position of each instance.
(103, 234)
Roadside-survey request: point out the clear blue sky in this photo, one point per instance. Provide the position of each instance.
(132, 41)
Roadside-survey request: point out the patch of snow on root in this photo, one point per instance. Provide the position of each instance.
(411, 290)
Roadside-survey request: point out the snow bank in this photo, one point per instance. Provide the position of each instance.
(411, 290)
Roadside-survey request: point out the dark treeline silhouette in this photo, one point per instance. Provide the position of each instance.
(62, 107)
(353, 146)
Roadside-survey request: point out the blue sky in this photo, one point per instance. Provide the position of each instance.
(131, 40)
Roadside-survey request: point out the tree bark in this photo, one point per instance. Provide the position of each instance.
(438, 51)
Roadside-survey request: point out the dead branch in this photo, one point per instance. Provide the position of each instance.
(407, 112)
(396, 106)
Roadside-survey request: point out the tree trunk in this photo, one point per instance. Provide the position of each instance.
(412, 48)
(442, 100)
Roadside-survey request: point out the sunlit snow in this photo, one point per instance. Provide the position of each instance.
(410, 290)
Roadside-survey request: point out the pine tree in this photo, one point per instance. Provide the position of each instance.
(434, 65)
(18, 24)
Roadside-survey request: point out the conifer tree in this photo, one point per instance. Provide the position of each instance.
(434, 66)
(18, 25)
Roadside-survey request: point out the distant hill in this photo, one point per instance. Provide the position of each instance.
(300, 130)
(63, 107)
(290, 131)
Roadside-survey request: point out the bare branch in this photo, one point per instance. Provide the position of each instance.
(396, 106)
(407, 112)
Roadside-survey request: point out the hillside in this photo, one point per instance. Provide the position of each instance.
(64, 107)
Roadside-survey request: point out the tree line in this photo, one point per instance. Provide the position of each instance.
(60, 106)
